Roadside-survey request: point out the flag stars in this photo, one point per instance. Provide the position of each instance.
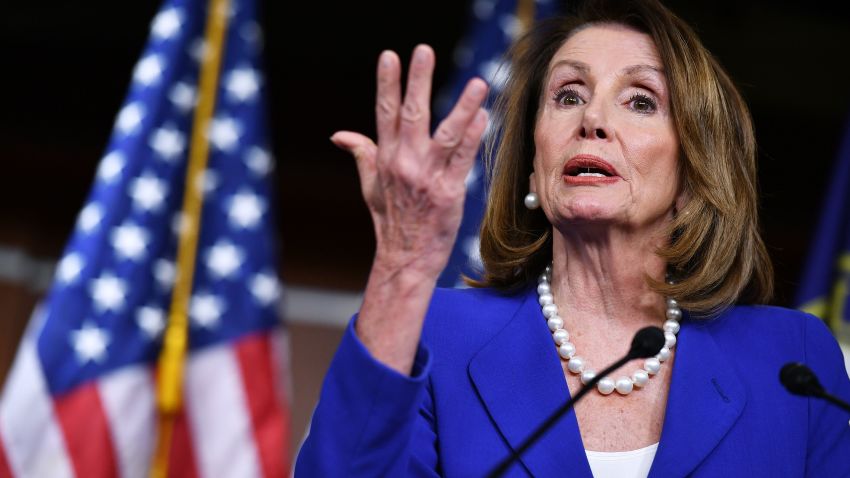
(206, 310)
(164, 272)
(90, 343)
(252, 33)
(198, 49)
(166, 24)
(168, 143)
(148, 192)
(89, 218)
(183, 96)
(496, 73)
(259, 161)
(208, 181)
(151, 320)
(111, 166)
(242, 84)
(483, 8)
(472, 249)
(108, 293)
(471, 179)
(129, 241)
(130, 118)
(224, 134)
(180, 224)
(245, 210)
(265, 288)
(69, 268)
(511, 26)
(224, 259)
(148, 70)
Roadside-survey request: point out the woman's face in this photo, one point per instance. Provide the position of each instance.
(606, 147)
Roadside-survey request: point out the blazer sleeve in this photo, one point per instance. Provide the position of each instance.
(828, 451)
(370, 420)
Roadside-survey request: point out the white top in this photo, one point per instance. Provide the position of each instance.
(622, 464)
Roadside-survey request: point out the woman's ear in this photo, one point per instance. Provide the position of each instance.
(532, 188)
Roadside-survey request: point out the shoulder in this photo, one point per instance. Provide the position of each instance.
(476, 298)
(766, 322)
(468, 318)
(769, 333)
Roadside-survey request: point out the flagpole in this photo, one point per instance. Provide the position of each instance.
(172, 357)
(525, 13)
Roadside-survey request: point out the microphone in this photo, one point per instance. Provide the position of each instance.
(647, 342)
(800, 380)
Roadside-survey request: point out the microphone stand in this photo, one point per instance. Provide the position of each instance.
(833, 400)
(560, 412)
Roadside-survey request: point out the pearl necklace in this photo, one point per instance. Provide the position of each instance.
(576, 365)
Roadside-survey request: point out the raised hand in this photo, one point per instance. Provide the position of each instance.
(413, 184)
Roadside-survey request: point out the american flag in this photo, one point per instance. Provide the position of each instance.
(495, 24)
(80, 399)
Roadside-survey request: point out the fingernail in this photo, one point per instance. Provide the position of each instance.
(477, 87)
(419, 53)
(385, 58)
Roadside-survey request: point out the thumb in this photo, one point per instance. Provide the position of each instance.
(360, 146)
(364, 151)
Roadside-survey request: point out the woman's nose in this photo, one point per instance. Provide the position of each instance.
(594, 122)
(598, 133)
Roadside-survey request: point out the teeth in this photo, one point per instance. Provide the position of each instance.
(592, 175)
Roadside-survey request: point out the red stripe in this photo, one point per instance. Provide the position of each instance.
(5, 469)
(182, 456)
(87, 438)
(269, 412)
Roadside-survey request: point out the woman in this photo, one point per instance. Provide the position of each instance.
(623, 192)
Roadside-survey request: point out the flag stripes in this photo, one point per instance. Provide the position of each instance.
(224, 432)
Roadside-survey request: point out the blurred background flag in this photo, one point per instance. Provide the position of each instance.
(824, 287)
(494, 25)
(81, 397)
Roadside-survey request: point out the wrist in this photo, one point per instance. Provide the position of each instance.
(408, 270)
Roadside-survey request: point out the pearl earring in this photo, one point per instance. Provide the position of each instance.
(532, 201)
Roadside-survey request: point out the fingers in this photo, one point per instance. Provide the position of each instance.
(364, 151)
(451, 131)
(388, 99)
(415, 111)
(464, 156)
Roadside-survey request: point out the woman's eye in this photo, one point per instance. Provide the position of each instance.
(568, 97)
(643, 104)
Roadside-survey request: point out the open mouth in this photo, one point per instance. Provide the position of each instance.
(587, 171)
(588, 167)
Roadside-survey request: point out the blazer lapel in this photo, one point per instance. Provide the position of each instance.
(520, 380)
(706, 398)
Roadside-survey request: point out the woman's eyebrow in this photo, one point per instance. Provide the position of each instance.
(576, 65)
(642, 68)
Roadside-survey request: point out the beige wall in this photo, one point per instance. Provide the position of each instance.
(311, 349)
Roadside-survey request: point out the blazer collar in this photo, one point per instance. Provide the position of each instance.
(706, 398)
(521, 385)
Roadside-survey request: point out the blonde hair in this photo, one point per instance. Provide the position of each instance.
(715, 248)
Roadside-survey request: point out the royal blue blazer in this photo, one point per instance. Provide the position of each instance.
(487, 374)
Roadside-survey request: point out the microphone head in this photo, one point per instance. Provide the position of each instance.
(647, 343)
(800, 380)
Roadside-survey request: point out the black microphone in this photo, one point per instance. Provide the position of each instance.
(800, 380)
(647, 343)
